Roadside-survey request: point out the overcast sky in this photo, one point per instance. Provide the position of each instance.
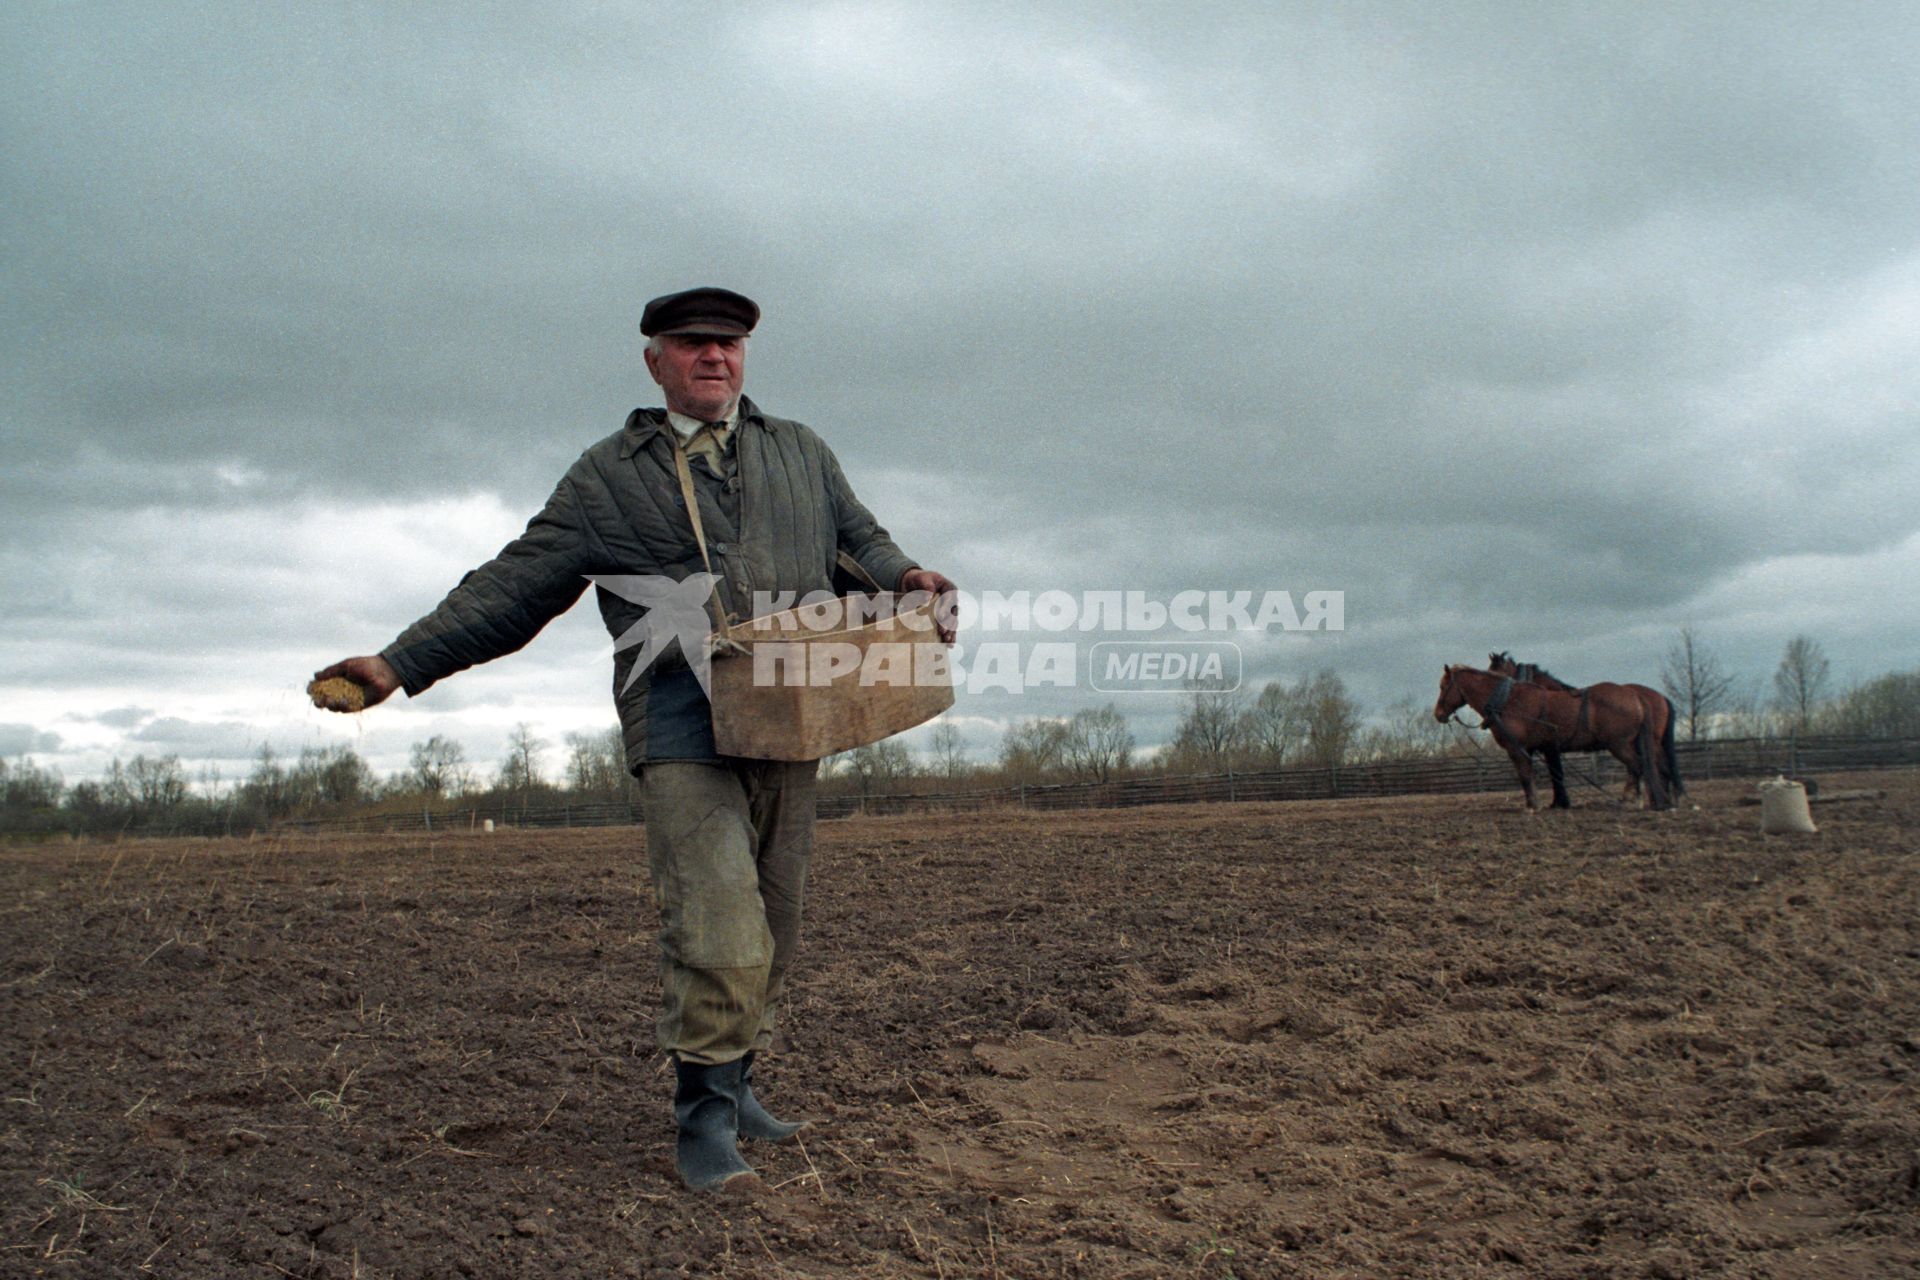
(1543, 327)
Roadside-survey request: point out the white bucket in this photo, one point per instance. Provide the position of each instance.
(1783, 809)
(486, 825)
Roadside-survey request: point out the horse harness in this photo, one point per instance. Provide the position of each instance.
(1497, 703)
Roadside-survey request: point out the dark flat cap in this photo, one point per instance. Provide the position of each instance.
(703, 310)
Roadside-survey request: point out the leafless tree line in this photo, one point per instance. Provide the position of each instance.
(1309, 721)
(1312, 720)
(1711, 701)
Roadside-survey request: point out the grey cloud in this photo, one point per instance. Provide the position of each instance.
(123, 717)
(225, 740)
(22, 739)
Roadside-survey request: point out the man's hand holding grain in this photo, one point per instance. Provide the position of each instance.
(353, 684)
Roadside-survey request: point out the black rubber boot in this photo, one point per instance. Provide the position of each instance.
(706, 1106)
(755, 1123)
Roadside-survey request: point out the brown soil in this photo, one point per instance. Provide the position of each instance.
(1422, 1038)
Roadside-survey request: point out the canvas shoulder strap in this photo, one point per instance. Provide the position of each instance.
(685, 472)
(692, 499)
(852, 566)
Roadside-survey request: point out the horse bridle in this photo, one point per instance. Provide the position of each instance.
(1495, 704)
(1490, 716)
(1453, 717)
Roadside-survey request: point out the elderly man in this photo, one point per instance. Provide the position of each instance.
(728, 840)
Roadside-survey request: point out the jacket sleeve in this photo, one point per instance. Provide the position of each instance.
(860, 535)
(500, 606)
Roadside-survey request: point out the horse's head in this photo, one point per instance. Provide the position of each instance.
(1451, 699)
(1502, 664)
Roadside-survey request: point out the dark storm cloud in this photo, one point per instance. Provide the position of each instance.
(1483, 313)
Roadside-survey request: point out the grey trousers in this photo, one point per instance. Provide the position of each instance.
(728, 846)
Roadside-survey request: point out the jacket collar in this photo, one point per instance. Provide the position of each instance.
(643, 424)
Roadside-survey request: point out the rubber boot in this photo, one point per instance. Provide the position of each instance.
(755, 1123)
(706, 1107)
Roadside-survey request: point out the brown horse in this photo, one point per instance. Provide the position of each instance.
(1526, 718)
(1659, 713)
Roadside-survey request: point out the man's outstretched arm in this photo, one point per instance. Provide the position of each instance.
(495, 610)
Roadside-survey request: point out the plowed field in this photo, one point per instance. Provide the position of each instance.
(1433, 1037)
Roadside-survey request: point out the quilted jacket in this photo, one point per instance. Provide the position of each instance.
(618, 510)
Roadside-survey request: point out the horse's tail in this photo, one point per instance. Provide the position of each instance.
(1651, 771)
(1671, 756)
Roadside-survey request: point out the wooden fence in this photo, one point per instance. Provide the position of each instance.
(1484, 771)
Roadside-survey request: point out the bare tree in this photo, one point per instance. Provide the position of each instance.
(334, 775)
(265, 789)
(29, 795)
(1693, 677)
(1409, 733)
(597, 763)
(1098, 743)
(583, 763)
(1885, 707)
(879, 766)
(1800, 680)
(520, 771)
(1212, 729)
(1274, 726)
(947, 751)
(1033, 749)
(1332, 718)
(438, 767)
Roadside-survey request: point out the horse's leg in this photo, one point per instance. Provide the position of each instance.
(1635, 767)
(1523, 765)
(1629, 759)
(1669, 756)
(1557, 771)
(1657, 797)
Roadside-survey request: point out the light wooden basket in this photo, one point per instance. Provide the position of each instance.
(761, 712)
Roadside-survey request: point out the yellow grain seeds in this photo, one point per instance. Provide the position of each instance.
(337, 694)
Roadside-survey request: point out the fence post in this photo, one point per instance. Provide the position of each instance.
(1231, 794)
